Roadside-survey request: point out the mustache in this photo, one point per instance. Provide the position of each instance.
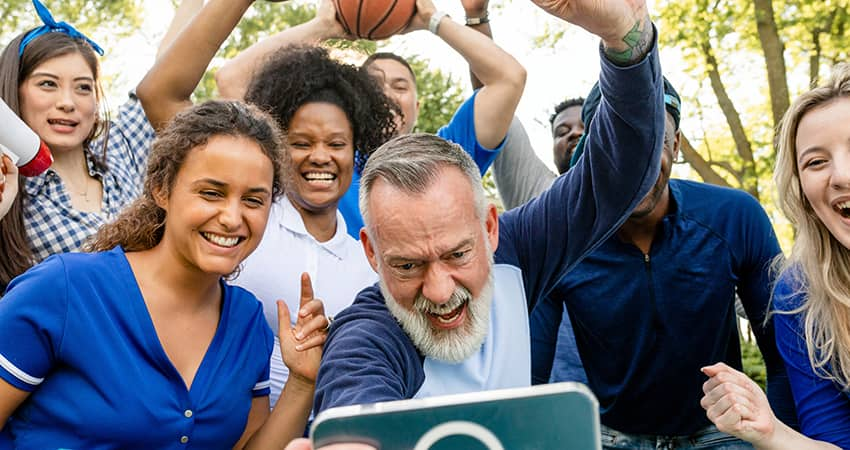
(460, 296)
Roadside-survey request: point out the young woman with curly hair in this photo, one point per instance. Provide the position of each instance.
(141, 343)
(333, 116)
(811, 299)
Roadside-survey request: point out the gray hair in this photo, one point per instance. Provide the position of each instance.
(412, 163)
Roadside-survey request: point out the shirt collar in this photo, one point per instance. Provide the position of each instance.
(292, 221)
(34, 185)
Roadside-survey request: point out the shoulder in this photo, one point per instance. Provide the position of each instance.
(789, 292)
(704, 197)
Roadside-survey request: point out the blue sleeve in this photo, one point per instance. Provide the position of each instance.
(755, 250)
(543, 325)
(349, 207)
(32, 323)
(361, 365)
(822, 408)
(461, 131)
(549, 235)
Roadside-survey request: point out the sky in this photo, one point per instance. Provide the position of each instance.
(566, 69)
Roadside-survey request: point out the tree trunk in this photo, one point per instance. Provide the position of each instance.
(733, 119)
(774, 58)
(703, 168)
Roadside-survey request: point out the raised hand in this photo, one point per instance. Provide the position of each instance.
(8, 184)
(737, 405)
(623, 25)
(328, 21)
(301, 346)
(421, 16)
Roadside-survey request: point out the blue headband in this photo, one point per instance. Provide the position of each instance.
(50, 25)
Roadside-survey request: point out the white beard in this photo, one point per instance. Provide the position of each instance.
(453, 345)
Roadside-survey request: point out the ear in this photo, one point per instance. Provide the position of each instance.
(160, 198)
(491, 225)
(677, 141)
(369, 249)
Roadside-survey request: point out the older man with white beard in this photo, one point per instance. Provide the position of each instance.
(450, 314)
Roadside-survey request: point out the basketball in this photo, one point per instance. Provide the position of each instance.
(374, 19)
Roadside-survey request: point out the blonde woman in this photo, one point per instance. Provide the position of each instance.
(812, 295)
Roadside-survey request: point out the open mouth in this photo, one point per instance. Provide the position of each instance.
(448, 318)
(319, 178)
(222, 241)
(62, 122)
(842, 208)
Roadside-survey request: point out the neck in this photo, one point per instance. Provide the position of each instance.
(71, 164)
(640, 231)
(173, 283)
(320, 224)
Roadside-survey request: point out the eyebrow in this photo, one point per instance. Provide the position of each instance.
(806, 152)
(51, 75)
(221, 184)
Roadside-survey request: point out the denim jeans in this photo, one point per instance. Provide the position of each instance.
(707, 438)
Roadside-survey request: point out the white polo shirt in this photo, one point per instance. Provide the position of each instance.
(338, 269)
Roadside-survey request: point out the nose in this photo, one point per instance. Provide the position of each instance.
(230, 215)
(840, 176)
(438, 285)
(65, 100)
(320, 154)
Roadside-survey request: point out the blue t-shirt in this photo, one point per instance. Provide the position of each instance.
(75, 332)
(460, 130)
(822, 408)
(369, 358)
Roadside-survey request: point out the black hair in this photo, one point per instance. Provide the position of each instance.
(560, 107)
(297, 75)
(388, 55)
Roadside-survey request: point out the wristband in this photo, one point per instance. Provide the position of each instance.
(434, 23)
(480, 20)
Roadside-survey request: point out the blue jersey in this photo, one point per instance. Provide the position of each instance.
(822, 407)
(460, 130)
(368, 357)
(75, 332)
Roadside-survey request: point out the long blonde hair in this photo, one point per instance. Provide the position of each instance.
(819, 265)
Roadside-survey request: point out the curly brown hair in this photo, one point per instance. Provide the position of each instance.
(142, 224)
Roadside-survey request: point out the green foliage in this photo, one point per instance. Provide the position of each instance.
(102, 20)
(439, 96)
(753, 363)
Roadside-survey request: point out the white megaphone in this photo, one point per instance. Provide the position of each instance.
(23, 146)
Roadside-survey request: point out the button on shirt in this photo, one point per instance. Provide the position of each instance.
(338, 270)
(53, 225)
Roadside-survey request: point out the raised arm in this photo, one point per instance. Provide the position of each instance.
(502, 76)
(168, 86)
(235, 75)
(182, 16)
(547, 236)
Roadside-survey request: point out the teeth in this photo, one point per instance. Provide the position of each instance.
(843, 205)
(319, 176)
(62, 122)
(221, 240)
(447, 318)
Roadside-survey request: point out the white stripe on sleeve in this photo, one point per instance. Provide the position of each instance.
(20, 374)
(262, 385)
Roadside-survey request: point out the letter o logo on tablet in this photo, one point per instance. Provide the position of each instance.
(459, 428)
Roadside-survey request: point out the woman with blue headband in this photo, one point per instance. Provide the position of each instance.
(50, 77)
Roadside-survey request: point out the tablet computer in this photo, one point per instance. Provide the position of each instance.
(551, 416)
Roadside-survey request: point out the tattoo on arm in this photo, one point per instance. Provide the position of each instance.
(637, 40)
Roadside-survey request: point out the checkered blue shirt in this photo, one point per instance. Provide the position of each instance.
(53, 225)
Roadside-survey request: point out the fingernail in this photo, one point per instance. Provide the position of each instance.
(299, 336)
(299, 348)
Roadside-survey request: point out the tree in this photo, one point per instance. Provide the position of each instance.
(718, 39)
(103, 20)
